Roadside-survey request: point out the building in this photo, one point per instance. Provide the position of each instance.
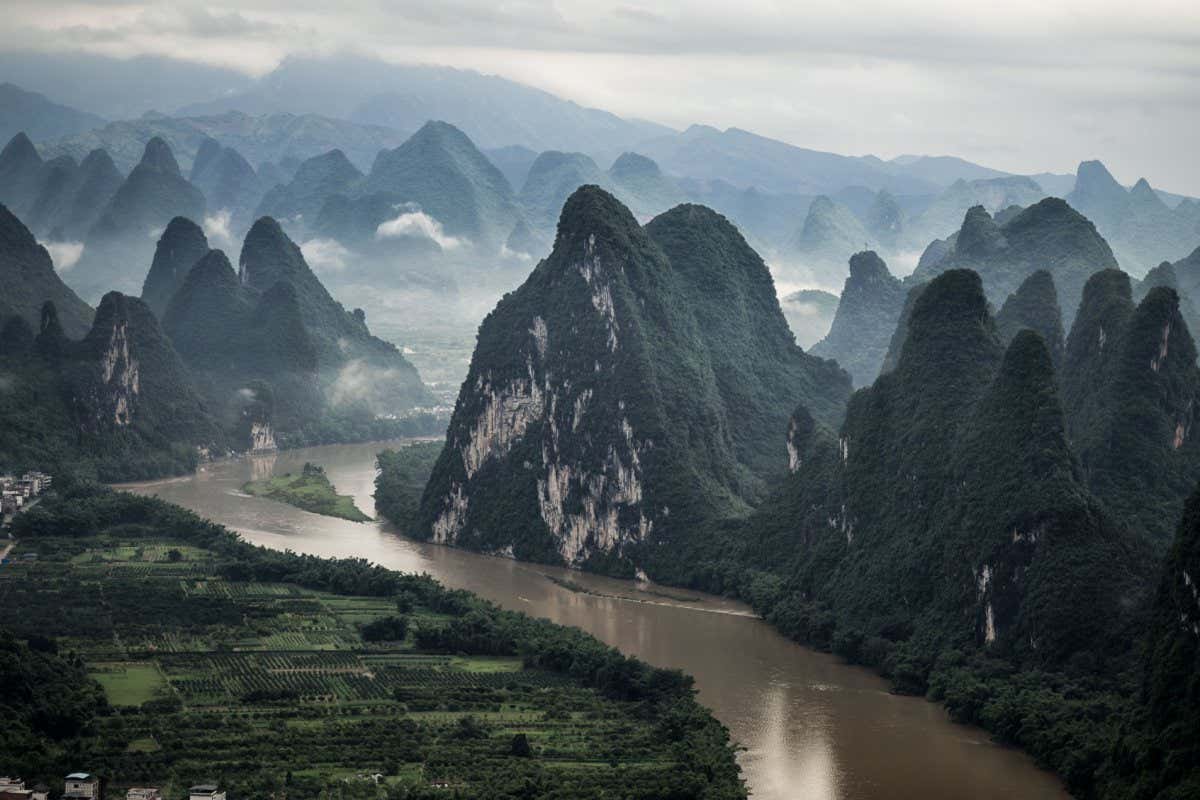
(14, 789)
(205, 791)
(81, 786)
(143, 793)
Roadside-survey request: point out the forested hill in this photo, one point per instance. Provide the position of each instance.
(988, 530)
(628, 390)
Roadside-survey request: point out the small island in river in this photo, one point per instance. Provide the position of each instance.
(310, 491)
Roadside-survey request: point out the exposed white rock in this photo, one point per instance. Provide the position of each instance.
(592, 271)
(450, 522)
(262, 438)
(984, 582)
(792, 451)
(507, 413)
(1157, 362)
(120, 373)
(540, 336)
(581, 403)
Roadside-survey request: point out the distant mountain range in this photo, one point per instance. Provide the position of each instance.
(278, 138)
(38, 117)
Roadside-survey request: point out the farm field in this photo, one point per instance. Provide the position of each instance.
(271, 687)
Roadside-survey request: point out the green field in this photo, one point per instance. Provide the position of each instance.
(129, 684)
(310, 491)
(215, 671)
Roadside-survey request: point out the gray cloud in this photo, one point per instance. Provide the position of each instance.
(1027, 85)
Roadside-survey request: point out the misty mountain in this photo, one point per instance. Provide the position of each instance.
(514, 162)
(809, 313)
(118, 88)
(1165, 275)
(274, 354)
(942, 170)
(1048, 235)
(181, 245)
(121, 242)
(58, 199)
(38, 117)
(944, 214)
(493, 111)
(228, 181)
(29, 281)
(1034, 306)
(117, 404)
(436, 186)
(639, 183)
(275, 138)
(72, 197)
(22, 173)
(624, 336)
(745, 159)
(830, 234)
(1142, 229)
(867, 314)
(300, 200)
(552, 178)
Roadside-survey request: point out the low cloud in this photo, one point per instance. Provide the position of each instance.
(64, 254)
(419, 224)
(325, 255)
(360, 384)
(216, 228)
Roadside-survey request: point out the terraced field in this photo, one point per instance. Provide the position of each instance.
(271, 688)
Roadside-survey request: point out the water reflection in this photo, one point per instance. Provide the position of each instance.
(812, 727)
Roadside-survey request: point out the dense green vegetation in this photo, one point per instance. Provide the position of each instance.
(117, 405)
(1004, 576)
(1049, 235)
(640, 376)
(30, 280)
(277, 673)
(311, 490)
(400, 481)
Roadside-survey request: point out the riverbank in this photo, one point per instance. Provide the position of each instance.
(811, 725)
(347, 667)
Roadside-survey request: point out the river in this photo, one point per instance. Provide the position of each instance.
(812, 727)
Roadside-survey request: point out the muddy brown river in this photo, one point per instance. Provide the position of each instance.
(812, 727)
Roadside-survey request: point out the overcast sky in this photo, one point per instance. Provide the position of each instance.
(1024, 85)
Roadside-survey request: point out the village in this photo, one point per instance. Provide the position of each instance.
(17, 493)
(85, 786)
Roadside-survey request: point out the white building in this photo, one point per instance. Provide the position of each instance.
(205, 791)
(81, 786)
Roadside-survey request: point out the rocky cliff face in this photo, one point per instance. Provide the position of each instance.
(127, 374)
(594, 420)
